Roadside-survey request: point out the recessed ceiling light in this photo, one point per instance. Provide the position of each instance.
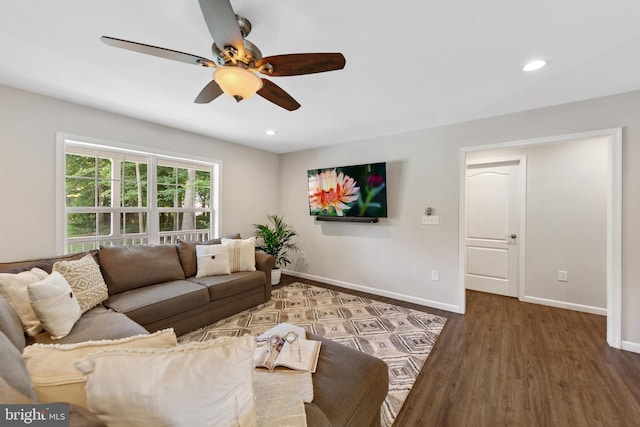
(271, 132)
(534, 65)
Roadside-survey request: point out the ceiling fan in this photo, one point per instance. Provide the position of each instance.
(237, 60)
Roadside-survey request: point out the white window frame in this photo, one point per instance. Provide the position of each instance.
(153, 234)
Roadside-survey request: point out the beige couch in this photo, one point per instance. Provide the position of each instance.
(153, 287)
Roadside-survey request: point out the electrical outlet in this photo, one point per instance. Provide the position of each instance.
(563, 276)
(435, 275)
(430, 219)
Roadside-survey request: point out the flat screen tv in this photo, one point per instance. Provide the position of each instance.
(357, 191)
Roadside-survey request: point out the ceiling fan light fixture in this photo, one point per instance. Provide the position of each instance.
(237, 82)
(534, 65)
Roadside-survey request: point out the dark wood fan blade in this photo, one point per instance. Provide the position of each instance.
(222, 23)
(296, 64)
(274, 93)
(158, 51)
(210, 92)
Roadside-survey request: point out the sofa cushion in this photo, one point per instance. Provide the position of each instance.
(85, 279)
(91, 326)
(225, 286)
(55, 304)
(12, 369)
(357, 380)
(187, 253)
(15, 288)
(153, 303)
(54, 376)
(130, 267)
(315, 417)
(214, 384)
(45, 264)
(10, 324)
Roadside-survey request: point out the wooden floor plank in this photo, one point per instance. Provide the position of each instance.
(509, 363)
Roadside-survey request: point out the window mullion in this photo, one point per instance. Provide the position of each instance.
(96, 177)
(214, 200)
(153, 220)
(116, 198)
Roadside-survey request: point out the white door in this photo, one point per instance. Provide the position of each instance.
(492, 225)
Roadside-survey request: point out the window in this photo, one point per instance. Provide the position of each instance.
(118, 196)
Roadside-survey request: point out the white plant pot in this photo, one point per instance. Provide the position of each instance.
(275, 276)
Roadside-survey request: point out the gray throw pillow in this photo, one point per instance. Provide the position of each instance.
(11, 325)
(12, 369)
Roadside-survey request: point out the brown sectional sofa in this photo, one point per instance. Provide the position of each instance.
(153, 287)
(157, 292)
(149, 285)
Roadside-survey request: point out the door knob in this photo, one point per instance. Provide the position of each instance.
(513, 236)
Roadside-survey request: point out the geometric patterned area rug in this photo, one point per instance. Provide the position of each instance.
(402, 337)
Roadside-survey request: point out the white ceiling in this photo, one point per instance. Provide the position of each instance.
(410, 64)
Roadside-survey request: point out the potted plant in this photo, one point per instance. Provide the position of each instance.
(276, 240)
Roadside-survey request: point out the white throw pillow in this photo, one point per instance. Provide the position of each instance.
(54, 376)
(213, 260)
(196, 384)
(55, 305)
(14, 287)
(85, 279)
(243, 254)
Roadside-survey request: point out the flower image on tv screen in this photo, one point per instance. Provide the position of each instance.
(349, 191)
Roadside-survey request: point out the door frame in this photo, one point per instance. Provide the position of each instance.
(614, 219)
(521, 161)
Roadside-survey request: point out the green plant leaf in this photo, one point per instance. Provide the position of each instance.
(276, 239)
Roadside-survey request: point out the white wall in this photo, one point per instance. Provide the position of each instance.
(566, 220)
(28, 126)
(390, 257)
(395, 255)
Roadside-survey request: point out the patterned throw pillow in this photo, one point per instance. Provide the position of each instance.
(85, 279)
(242, 254)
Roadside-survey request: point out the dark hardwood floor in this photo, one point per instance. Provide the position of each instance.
(509, 363)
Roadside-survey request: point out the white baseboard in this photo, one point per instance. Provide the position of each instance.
(631, 346)
(375, 291)
(567, 305)
(626, 345)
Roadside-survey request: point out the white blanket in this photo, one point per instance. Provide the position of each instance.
(280, 397)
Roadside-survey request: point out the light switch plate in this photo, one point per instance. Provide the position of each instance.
(430, 219)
